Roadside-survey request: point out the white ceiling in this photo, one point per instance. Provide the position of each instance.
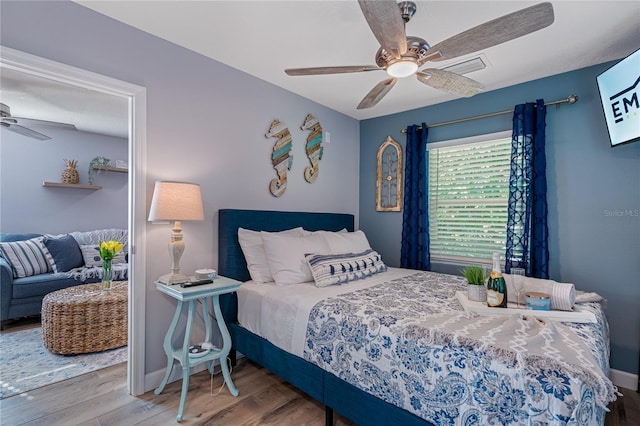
(262, 38)
(37, 98)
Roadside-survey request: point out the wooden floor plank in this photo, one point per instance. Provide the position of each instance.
(139, 409)
(84, 411)
(201, 405)
(297, 411)
(247, 409)
(48, 400)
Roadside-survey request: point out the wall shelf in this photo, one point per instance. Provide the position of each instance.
(111, 169)
(69, 185)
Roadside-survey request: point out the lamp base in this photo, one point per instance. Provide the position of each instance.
(171, 279)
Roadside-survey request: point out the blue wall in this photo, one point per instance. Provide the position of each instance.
(593, 243)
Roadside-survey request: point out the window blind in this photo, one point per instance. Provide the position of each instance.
(468, 194)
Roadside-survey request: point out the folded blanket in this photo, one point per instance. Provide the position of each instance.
(119, 272)
(563, 295)
(587, 297)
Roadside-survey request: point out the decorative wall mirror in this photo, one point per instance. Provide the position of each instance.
(389, 177)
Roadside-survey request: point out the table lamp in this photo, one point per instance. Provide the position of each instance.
(176, 201)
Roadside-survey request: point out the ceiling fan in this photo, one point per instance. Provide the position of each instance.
(17, 124)
(401, 55)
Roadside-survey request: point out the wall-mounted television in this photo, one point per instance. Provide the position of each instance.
(619, 88)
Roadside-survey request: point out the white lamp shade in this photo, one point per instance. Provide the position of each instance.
(176, 201)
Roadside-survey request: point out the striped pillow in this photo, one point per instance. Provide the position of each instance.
(26, 257)
(339, 269)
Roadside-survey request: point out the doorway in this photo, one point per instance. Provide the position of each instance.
(135, 97)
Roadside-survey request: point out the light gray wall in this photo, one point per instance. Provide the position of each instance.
(27, 206)
(205, 124)
(588, 181)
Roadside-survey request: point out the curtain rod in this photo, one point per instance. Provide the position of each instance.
(572, 99)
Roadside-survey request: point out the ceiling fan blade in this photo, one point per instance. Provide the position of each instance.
(386, 23)
(24, 131)
(331, 70)
(494, 32)
(449, 82)
(377, 93)
(35, 122)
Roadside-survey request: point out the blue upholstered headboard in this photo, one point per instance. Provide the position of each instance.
(231, 262)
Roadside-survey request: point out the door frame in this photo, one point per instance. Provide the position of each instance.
(137, 101)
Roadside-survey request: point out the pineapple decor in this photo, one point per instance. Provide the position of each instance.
(70, 173)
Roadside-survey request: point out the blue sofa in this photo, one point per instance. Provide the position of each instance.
(21, 296)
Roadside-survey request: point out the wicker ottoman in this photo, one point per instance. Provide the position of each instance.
(85, 318)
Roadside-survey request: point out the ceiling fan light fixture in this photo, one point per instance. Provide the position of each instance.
(402, 68)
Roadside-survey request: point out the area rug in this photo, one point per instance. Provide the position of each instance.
(25, 364)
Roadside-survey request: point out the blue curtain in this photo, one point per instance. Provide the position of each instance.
(527, 232)
(414, 253)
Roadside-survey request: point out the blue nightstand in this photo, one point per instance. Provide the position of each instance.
(221, 285)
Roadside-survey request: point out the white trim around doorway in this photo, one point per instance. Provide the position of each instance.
(136, 95)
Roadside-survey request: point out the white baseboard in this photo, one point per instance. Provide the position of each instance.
(624, 379)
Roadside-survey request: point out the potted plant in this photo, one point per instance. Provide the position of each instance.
(476, 289)
(97, 161)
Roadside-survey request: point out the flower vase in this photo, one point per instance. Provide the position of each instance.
(106, 275)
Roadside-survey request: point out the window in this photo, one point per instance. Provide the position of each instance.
(468, 194)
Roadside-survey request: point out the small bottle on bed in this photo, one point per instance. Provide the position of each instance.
(496, 286)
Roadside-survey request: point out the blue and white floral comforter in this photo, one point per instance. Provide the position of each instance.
(408, 342)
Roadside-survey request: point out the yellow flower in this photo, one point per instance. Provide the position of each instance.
(109, 249)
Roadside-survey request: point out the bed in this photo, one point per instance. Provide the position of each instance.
(401, 367)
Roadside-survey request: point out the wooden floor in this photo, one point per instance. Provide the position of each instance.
(100, 398)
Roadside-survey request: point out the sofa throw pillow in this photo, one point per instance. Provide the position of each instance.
(91, 256)
(253, 250)
(65, 253)
(337, 269)
(286, 256)
(94, 237)
(26, 257)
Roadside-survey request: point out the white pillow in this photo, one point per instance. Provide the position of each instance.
(253, 250)
(305, 232)
(347, 242)
(286, 256)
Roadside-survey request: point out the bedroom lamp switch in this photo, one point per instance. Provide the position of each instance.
(327, 137)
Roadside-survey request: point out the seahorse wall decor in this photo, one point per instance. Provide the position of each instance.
(314, 147)
(281, 157)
